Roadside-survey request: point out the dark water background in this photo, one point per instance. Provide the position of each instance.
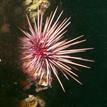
(89, 17)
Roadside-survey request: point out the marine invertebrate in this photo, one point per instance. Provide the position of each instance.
(45, 52)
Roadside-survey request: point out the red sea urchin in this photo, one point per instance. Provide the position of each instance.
(44, 52)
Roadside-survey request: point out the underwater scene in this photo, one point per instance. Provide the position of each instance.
(53, 53)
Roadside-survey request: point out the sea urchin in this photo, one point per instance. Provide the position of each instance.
(44, 52)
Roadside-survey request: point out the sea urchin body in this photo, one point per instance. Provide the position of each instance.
(44, 52)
